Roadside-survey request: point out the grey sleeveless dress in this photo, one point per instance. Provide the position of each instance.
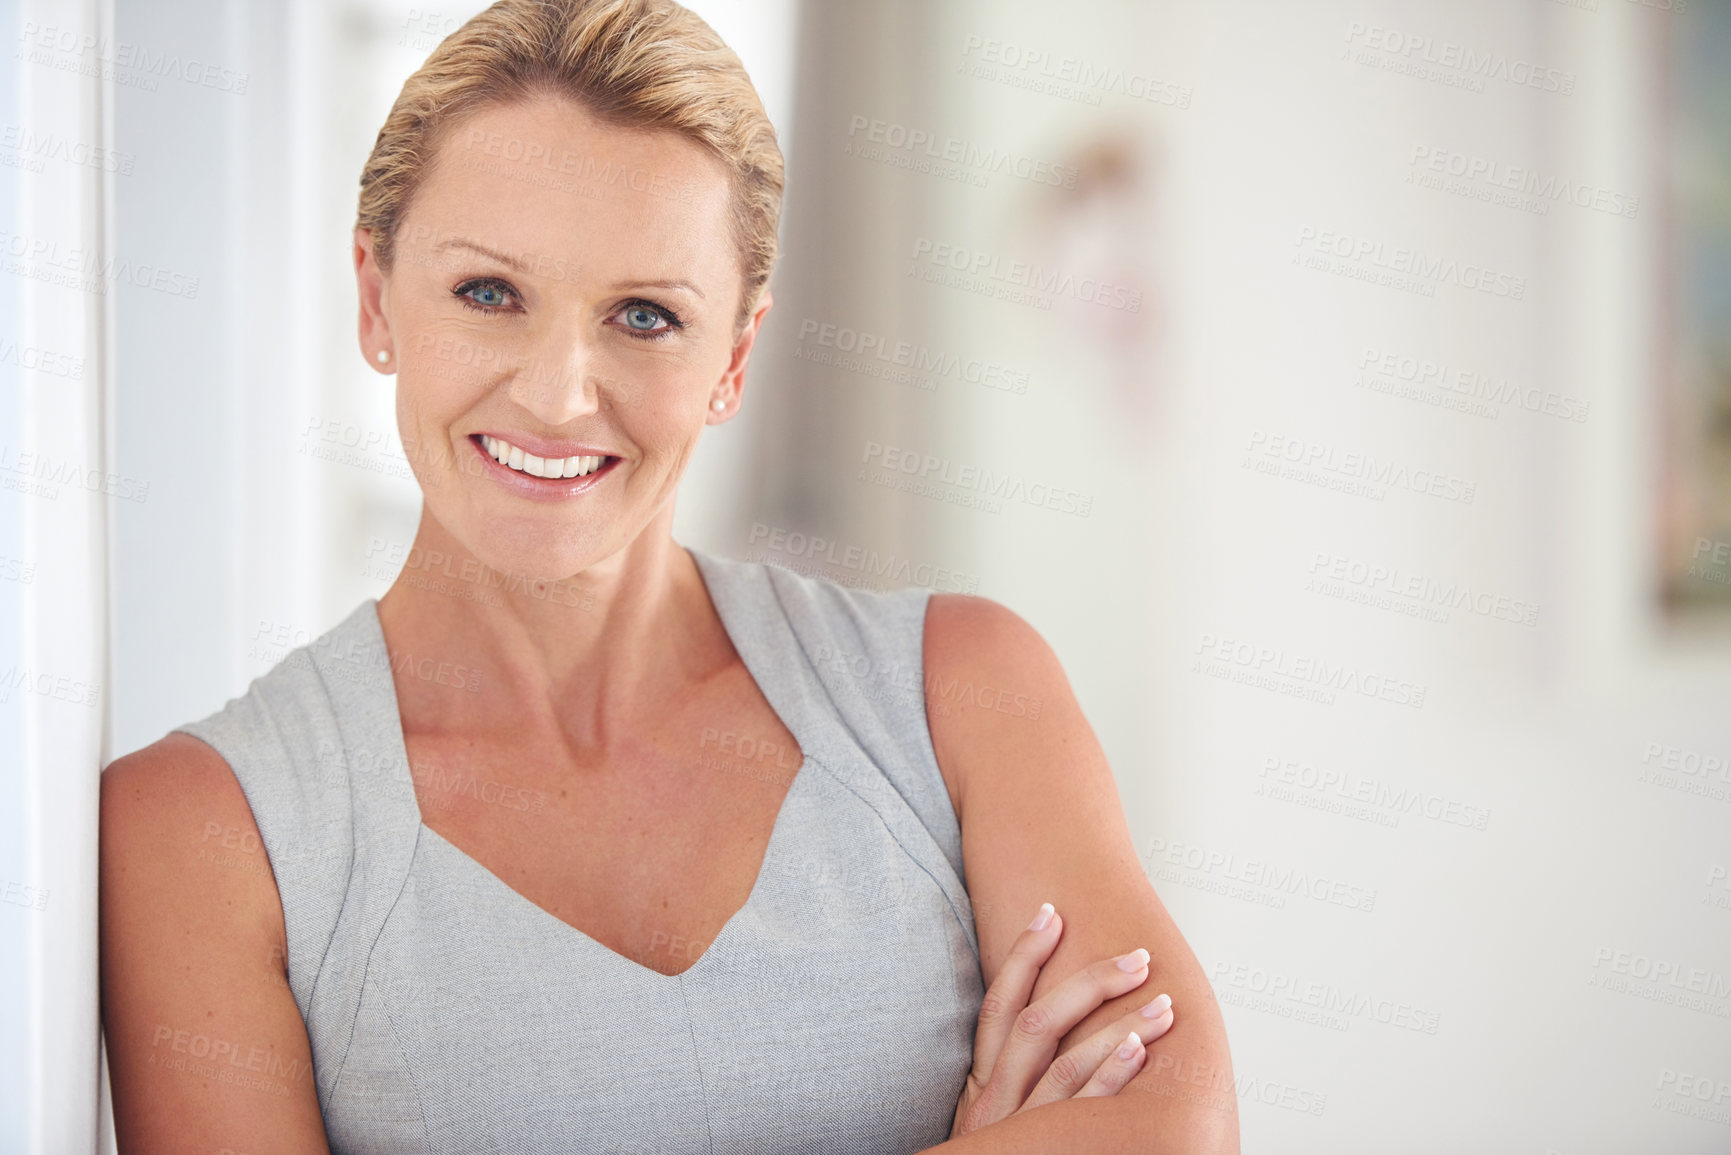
(447, 1013)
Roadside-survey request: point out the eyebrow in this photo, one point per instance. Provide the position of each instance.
(513, 263)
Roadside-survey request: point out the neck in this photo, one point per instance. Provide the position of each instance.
(476, 651)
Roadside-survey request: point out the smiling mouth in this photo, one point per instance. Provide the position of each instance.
(513, 457)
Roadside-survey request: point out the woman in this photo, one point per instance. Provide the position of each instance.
(578, 839)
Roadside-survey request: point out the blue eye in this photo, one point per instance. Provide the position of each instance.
(641, 318)
(488, 296)
(641, 313)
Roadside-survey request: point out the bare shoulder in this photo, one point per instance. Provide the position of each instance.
(173, 775)
(959, 623)
(171, 814)
(990, 678)
(206, 1046)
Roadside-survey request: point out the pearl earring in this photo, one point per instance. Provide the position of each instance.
(718, 404)
(383, 356)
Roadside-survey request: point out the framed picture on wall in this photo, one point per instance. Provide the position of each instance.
(1695, 312)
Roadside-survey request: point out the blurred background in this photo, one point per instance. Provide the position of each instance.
(1351, 386)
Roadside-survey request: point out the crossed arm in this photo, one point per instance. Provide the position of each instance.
(1041, 821)
(193, 934)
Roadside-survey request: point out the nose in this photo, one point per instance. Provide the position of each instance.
(556, 383)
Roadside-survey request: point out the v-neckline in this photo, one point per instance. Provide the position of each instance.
(776, 831)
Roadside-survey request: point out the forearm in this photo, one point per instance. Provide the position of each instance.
(1150, 1116)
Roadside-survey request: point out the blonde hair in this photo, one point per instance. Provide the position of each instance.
(637, 64)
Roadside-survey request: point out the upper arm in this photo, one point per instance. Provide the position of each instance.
(206, 1046)
(1042, 822)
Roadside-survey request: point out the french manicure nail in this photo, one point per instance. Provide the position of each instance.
(1157, 1008)
(1127, 1049)
(1134, 961)
(1041, 919)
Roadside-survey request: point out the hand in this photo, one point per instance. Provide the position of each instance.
(1014, 1044)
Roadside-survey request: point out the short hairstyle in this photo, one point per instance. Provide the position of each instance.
(636, 64)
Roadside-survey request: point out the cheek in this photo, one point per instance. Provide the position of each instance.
(450, 361)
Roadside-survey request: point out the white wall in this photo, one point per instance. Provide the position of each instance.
(58, 282)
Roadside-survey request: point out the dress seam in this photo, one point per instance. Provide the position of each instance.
(840, 718)
(900, 845)
(697, 1063)
(408, 1068)
(366, 966)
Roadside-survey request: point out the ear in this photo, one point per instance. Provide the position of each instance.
(375, 329)
(733, 380)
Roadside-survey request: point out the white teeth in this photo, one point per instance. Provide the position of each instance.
(513, 457)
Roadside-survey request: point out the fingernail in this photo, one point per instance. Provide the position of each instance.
(1041, 919)
(1134, 961)
(1157, 1008)
(1127, 1049)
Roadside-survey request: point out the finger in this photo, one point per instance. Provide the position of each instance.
(1118, 1070)
(1034, 1037)
(1081, 1064)
(1009, 991)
